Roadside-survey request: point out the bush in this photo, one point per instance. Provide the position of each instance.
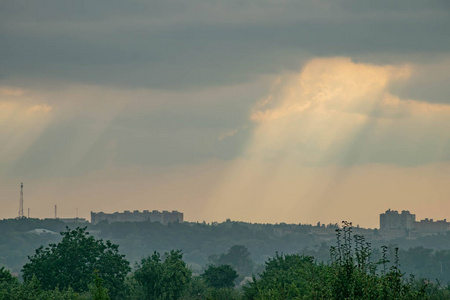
(350, 275)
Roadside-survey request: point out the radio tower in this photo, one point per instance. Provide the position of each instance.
(21, 201)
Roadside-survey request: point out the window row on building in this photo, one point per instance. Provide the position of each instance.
(165, 217)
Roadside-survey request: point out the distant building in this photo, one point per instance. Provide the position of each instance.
(73, 220)
(165, 217)
(395, 225)
(366, 232)
(428, 226)
(392, 220)
(324, 232)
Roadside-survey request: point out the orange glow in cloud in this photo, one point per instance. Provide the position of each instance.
(329, 84)
(326, 145)
(39, 108)
(316, 130)
(11, 91)
(21, 123)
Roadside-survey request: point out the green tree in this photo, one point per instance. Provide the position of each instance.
(9, 284)
(97, 290)
(163, 279)
(222, 276)
(6, 276)
(350, 275)
(74, 262)
(238, 257)
(290, 277)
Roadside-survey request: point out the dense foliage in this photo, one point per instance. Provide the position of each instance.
(32, 290)
(238, 257)
(222, 276)
(351, 274)
(198, 241)
(348, 270)
(163, 279)
(76, 261)
(203, 244)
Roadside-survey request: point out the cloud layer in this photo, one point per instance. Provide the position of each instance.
(252, 110)
(331, 142)
(336, 111)
(179, 44)
(330, 136)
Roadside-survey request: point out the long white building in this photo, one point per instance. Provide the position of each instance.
(165, 217)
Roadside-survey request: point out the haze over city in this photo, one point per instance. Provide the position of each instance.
(257, 111)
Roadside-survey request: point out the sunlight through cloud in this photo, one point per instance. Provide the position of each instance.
(319, 127)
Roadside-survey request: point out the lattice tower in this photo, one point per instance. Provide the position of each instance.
(21, 201)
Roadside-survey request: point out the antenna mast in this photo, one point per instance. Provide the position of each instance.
(21, 201)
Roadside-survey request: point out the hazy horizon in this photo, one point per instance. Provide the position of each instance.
(258, 111)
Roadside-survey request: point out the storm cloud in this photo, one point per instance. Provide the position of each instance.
(179, 44)
(210, 106)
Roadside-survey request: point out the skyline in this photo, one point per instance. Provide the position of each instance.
(150, 213)
(263, 111)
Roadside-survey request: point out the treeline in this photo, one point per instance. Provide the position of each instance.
(198, 241)
(203, 244)
(81, 266)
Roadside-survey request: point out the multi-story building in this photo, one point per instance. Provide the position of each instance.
(395, 225)
(392, 220)
(165, 217)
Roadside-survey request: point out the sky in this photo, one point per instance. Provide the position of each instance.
(264, 111)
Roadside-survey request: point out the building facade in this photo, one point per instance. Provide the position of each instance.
(165, 217)
(392, 220)
(428, 226)
(396, 225)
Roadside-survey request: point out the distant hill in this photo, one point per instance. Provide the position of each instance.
(201, 242)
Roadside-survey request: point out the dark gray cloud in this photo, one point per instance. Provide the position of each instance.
(189, 46)
(106, 100)
(175, 44)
